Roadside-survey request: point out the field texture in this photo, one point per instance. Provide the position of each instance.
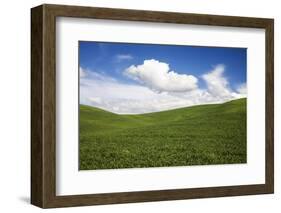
(198, 135)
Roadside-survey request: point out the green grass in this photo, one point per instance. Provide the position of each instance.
(198, 135)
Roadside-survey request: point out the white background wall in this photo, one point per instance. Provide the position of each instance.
(15, 105)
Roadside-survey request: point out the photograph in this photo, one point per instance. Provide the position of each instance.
(152, 105)
(161, 105)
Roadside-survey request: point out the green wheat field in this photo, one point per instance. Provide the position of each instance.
(197, 135)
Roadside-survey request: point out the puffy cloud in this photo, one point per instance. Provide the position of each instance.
(158, 76)
(100, 90)
(217, 84)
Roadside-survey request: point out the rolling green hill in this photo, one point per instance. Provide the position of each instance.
(198, 135)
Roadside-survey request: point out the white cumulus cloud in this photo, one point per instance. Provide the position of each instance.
(103, 91)
(217, 84)
(158, 76)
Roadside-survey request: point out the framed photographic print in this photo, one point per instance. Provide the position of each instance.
(136, 106)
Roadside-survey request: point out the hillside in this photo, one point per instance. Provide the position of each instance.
(198, 135)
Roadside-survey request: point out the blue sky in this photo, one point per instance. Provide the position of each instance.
(185, 69)
(102, 57)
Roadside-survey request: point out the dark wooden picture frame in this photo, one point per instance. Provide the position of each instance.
(43, 105)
